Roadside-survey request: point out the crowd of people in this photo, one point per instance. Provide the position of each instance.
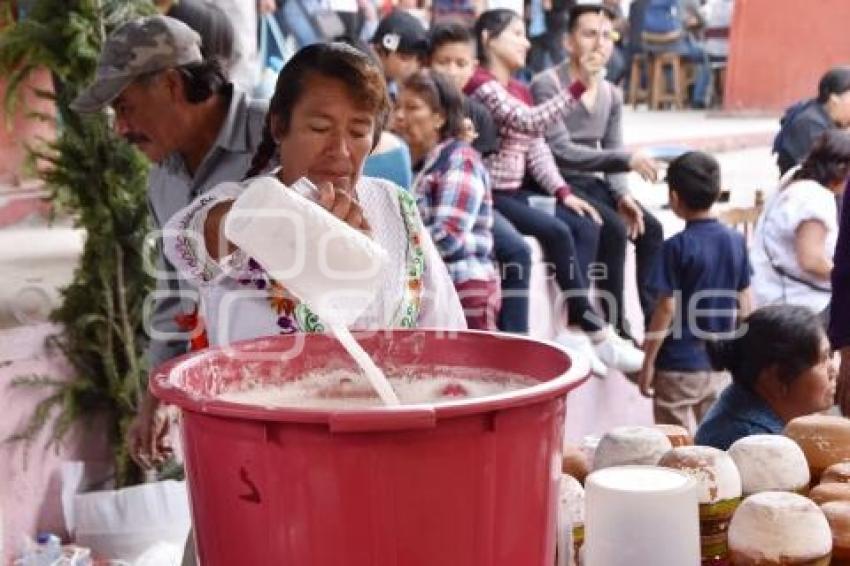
(464, 160)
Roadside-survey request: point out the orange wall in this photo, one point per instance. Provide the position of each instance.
(780, 48)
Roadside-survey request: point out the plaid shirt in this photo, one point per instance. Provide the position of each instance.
(453, 194)
(521, 128)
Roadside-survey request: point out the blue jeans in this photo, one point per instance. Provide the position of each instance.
(294, 18)
(514, 257)
(569, 243)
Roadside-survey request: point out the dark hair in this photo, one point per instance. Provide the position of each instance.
(203, 80)
(360, 74)
(211, 23)
(787, 337)
(829, 159)
(442, 96)
(835, 81)
(449, 32)
(494, 22)
(579, 10)
(695, 177)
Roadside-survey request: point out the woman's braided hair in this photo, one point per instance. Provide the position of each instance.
(361, 76)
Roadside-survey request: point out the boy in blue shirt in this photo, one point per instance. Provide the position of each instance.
(701, 280)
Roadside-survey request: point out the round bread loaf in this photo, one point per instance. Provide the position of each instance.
(838, 516)
(825, 440)
(631, 445)
(714, 471)
(836, 473)
(770, 462)
(825, 492)
(779, 528)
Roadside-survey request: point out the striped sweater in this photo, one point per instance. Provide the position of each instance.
(521, 128)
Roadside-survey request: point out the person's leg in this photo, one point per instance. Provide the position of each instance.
(715, 383)
(647, 247)
(298, 22)
(611, 249)
(480, 302)
(559, 247)
(585, 233)
(695, 53)
(514, 258)
(674, 398)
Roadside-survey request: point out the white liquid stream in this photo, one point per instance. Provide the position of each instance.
(373, 373)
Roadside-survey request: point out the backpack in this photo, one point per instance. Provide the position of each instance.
(662, 22)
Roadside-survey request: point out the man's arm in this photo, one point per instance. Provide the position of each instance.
(571, 155)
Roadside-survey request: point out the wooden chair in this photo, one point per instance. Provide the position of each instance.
(640, 69)
(659, 93)
(744, 219)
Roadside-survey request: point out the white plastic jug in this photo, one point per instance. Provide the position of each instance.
(333, 268)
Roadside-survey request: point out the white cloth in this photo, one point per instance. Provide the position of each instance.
(775, 236)
(233, 311)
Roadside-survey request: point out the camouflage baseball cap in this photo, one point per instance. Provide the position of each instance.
(138, 47)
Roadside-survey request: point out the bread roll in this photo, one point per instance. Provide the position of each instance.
(836, 473)
(822, 493)
(825, 440)
(838, 516)
(714, 471)
(776, 528)
(770, 462)
(638, 445)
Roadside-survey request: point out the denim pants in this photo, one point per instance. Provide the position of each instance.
(569, 243)
(612, 250)
(514, 258)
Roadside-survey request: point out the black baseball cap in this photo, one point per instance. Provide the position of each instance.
(401, 32)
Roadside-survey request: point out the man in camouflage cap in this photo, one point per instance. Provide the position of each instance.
(136, 49)
(199, 130)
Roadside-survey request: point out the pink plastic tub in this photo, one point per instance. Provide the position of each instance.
(468, 483)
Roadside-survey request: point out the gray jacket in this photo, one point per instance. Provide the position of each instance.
(586, 142)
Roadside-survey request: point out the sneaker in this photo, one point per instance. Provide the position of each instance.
(619, 353)
(580, 344)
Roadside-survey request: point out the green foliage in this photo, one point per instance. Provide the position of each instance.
(101, 181)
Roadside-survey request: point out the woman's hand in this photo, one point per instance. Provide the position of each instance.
(341, 204)
(582, 208)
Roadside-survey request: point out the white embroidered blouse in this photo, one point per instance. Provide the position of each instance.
(238, 300)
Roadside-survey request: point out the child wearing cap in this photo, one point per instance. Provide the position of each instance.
(401, 44)
(701, 279)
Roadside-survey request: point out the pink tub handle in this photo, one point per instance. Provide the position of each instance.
(418, 418)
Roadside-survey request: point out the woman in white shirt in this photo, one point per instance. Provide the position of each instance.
(321, 127)
(796, 235)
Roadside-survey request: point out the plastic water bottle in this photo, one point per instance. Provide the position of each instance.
(46, 551)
